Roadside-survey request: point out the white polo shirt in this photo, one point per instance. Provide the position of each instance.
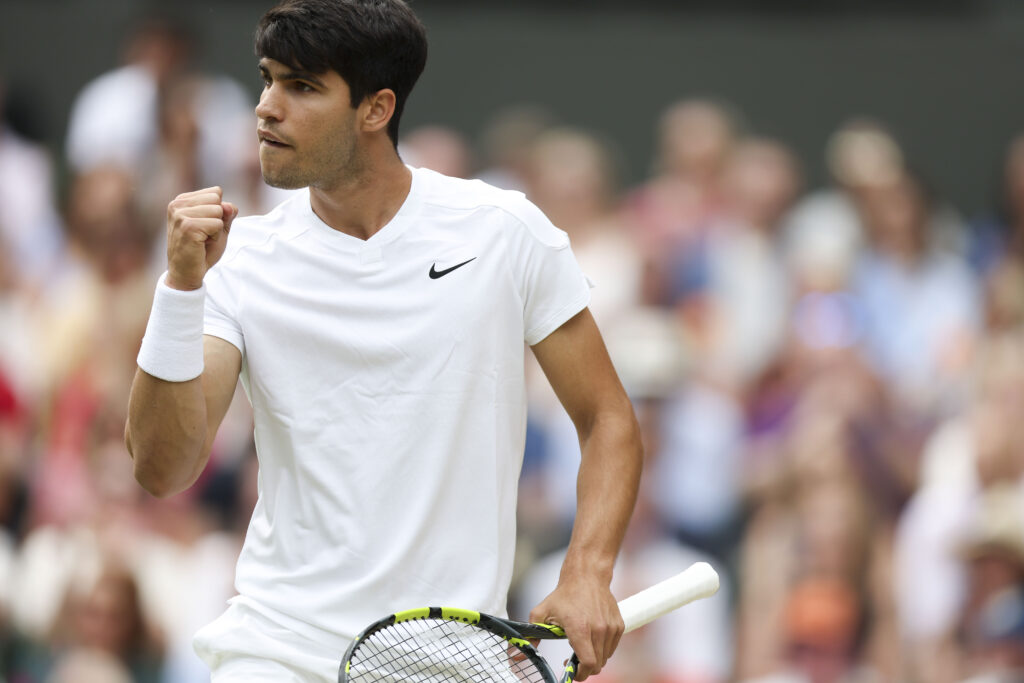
(386, 379)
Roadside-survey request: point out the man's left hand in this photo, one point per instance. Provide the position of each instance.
(586, 610)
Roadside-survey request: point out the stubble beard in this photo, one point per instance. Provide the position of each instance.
(284, 180)
(285, 176)
(329, 166)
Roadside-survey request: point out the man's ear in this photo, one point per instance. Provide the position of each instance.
(377, 109)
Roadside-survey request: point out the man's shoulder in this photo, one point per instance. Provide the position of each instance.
(284, 221)
(465, 193)
(482, 201)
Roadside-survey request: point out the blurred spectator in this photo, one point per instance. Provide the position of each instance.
(1004, 298)
(72, 586)
(506, 141)
(822, 508)
(808, 605)
(991, 628)
(824, 233)
(113, 119)
(90, 331)
(107, 617)
(1001, 236)
(106, 227)
(13, 432)
(89, 666)
(996, 641)
(737, 305)
(180, 563)
(31, 239)
(169, 127)
(32, 252)
(186, 576)
(821, 629)
(81, 491)
(920, 303)
(99, 524)
(438, 148)
(966, 456)
(571, 175)
(696, 478)
(668, 213)
(731, 293)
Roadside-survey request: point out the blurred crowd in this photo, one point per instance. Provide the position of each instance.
(830, 383)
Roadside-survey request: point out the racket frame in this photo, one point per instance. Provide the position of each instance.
(516, 633)
(698, 581)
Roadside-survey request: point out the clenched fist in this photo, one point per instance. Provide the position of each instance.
(197, 233)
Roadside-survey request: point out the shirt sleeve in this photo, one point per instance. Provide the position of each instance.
(552, 286)
(221, 317)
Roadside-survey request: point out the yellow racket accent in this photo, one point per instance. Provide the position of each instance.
(556, 631)
(468, 616)
(410, 614)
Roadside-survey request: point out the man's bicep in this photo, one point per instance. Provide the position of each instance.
(577, 365)
(222, 365)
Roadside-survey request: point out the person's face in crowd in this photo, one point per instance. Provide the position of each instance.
(997, 432)
(896, 215)
(1015, 182)
(105, 223)
(695, 139)
(1004, 294)
(107, 617)
(178, 117)
(760, 183)
(862, 155)
(822, 618)
(833, 528)
(569, 177)
(161, 50)
(440, 149)
(307, 128)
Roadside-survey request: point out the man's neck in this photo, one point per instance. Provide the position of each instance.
(367, 201)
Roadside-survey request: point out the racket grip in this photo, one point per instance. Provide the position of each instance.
(698, 581)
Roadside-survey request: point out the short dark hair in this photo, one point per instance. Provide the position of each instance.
(372, 44)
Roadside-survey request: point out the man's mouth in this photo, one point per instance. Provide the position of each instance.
(271, 140)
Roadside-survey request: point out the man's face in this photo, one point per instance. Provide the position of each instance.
(307, 127)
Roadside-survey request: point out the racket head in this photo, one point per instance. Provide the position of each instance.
(435, 644)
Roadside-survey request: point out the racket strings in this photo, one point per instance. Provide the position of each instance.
(436, 651)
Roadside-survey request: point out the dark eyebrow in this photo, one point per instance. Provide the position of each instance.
(294, 75)
(301, 76)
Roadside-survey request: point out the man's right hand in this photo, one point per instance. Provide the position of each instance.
(197, 234)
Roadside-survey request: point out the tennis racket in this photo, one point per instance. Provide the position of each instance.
(435, 644)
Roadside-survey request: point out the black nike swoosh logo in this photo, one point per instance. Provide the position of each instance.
(434, 273)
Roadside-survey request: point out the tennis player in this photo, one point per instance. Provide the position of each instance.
(377, 321)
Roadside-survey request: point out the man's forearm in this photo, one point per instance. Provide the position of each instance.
(606, 491)
(166, 432)
(577, 364)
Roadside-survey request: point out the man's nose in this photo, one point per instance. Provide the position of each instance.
(269, 106)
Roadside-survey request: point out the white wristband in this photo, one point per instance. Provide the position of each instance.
(172, 348)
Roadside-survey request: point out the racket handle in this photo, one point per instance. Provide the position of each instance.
(696, 582)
